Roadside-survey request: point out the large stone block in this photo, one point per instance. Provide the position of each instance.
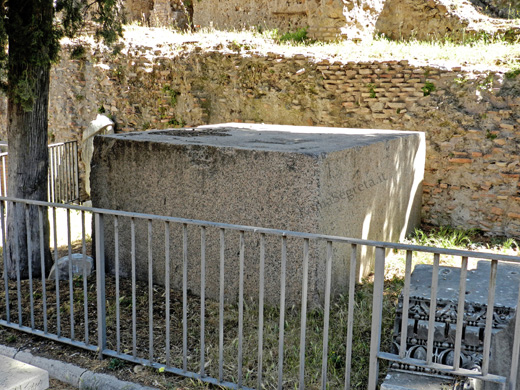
(16, 375)
(344, 182)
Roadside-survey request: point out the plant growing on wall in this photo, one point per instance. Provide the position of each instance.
(428, 88)
(372, 90)
(30, 33)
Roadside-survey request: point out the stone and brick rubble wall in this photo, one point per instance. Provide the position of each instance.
(471, 119)
(157, 13)
(499, 8)
(285, 15)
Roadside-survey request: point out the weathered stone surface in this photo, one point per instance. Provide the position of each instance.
(322, 180)
(80, 266)
(404, 381)
(286, 15)
(477, 281)
(438, 19)
(509, 9)
(158, 13)
(16, 375)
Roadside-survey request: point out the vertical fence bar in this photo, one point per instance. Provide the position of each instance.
(241, 307)
(51, 174)
(56, 175)
(185, 297)
(167, 288)
(150, 292)
(70, 168)
(76, 173)
(4, 174)
(406, 304)
(350, 314)
(42, 264)
(377, 317)
(134, 311)
(116, 260)
(283, 267)
(460, 312)
(326, 313)
(516, 350)
(61, 171)
(433, 308)
(56, 273)
(16, 206)
(85, 290)
(100, 283)
(66, 171)
(202, 297)
(71, 285)
(221, 309)
(489, 316)
(261, 310)
(303, 317)
(30, 263)
(4, 248)
(51, 179)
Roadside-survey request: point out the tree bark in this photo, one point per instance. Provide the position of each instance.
(27, 136)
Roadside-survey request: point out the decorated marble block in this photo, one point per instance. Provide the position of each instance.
(477, 282)
(345, 182)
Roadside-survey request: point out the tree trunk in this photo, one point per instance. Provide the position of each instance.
(27, 136)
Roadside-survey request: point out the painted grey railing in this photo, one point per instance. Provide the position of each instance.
(63, 172)
(183, 355)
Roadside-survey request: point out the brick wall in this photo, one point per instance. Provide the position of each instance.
(471, 118)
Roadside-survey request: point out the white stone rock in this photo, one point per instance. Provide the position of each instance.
(78, 265)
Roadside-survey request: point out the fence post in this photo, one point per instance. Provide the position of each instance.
(377, 316)
(100, 283)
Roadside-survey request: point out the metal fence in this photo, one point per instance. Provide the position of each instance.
(134, 311)
(63, 172)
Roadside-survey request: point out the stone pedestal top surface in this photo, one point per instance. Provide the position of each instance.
(276, 138)
(477, 282)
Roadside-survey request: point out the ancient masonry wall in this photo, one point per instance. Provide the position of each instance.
(158, 13)
(499, 8)
(325, 20)
(471, 119)
(337, 19)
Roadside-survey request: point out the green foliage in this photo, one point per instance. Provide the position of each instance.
(101, 109)
(115, 364)
(487, 83)
(512, 73)
(177, 122)
(173, 94)
(30, 33)
(298, 36)
(445, 237)
(372, 90)
(490, 135)
(78, 53)
(428, 88)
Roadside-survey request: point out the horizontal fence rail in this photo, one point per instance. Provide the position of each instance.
(63, 172)
(235, 306)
